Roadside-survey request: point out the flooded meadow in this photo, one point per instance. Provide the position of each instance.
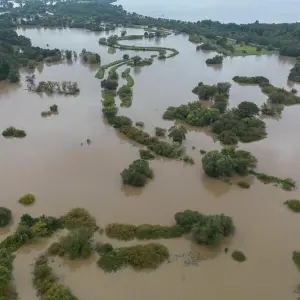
(52, 164)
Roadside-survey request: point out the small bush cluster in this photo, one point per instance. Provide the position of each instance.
(5, 216)
(238, 256)
(128, 232)
(251, 80)
(287, 184)
(227, 162)
(52, 111)
(27, 199)
(296, 258)
(139, 257)
(279, 95)
(293, 204)
(177, 133)
(7, 289)
(146, 154)
(160, 131)
(206, 230)
(46, 283)
(243, 185)
(207, 92)
(78, 218)
(216, 60)
(30, 228)
(187, 159)
(13, 132)
(137, 173)
(76, 245)
(295, 72)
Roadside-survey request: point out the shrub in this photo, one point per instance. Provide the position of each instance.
(139, 257)
(137, 173)
(248, 109)
(13, 132)
(243, 185)
(293, 204)
(238, 256)
(187, 159)
(140, 124)
(119, 121)
(212, 229)
(77, 218)
(188, 218)
(146, 154)
(7, 290)
(120, 231)
(296, 258)
(54, 108)
(228, 137)
(27, 199)
(177, 133)
(251, 80)
(5, 216)
(147, 231)
(160, 131)
(104, 248)
(76, 245)
(45, 282)
(218, 59)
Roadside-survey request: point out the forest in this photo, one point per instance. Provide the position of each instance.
(99, 15)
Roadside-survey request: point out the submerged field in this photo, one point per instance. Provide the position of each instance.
(52, 164)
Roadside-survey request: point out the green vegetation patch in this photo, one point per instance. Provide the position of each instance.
(139, 257)
(206, 230)
(238, 256)
(27, 199)
(5, 216)
(296, 258)
(7, 289)
(120, 231)
(216, 60)
(294, 74)
(243, 185)
(46, 283)
(76, 245)
(251, 80)
(227, 162)
(146, 154)
(78, 218)
(293, 204)
(287, 184)
(137, 174)
(14, 132)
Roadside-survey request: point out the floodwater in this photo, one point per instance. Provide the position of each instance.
(231, 11)
(51, 163)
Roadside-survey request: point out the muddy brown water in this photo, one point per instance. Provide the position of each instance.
(51, 163)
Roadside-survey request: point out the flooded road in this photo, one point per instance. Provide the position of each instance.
(51, 163)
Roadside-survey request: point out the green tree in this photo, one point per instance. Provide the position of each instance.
(177, 133)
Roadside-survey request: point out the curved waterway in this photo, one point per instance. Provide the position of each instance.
(51, 163)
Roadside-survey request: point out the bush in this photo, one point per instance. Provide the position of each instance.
(77, 218)
(248, 109)
(160, 131)
(139, 257)
(227, 162)
(188, 218)
(119, 231)
(27, 199)
(177, 133)
(137, 174)
(293, 204)
(119, 121)
(45, 282)
(228, 137)
(212, 229)
(140, 124)
(216, 60)
(187, 159)
(146, 154)
(54, 108)
(296, 258)
(243, 185)
(13, 132)
(76, 245)
(251, 80)
(5, 216)
(7, 290)
(147, 232)
(104, 248)
(238, 256)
